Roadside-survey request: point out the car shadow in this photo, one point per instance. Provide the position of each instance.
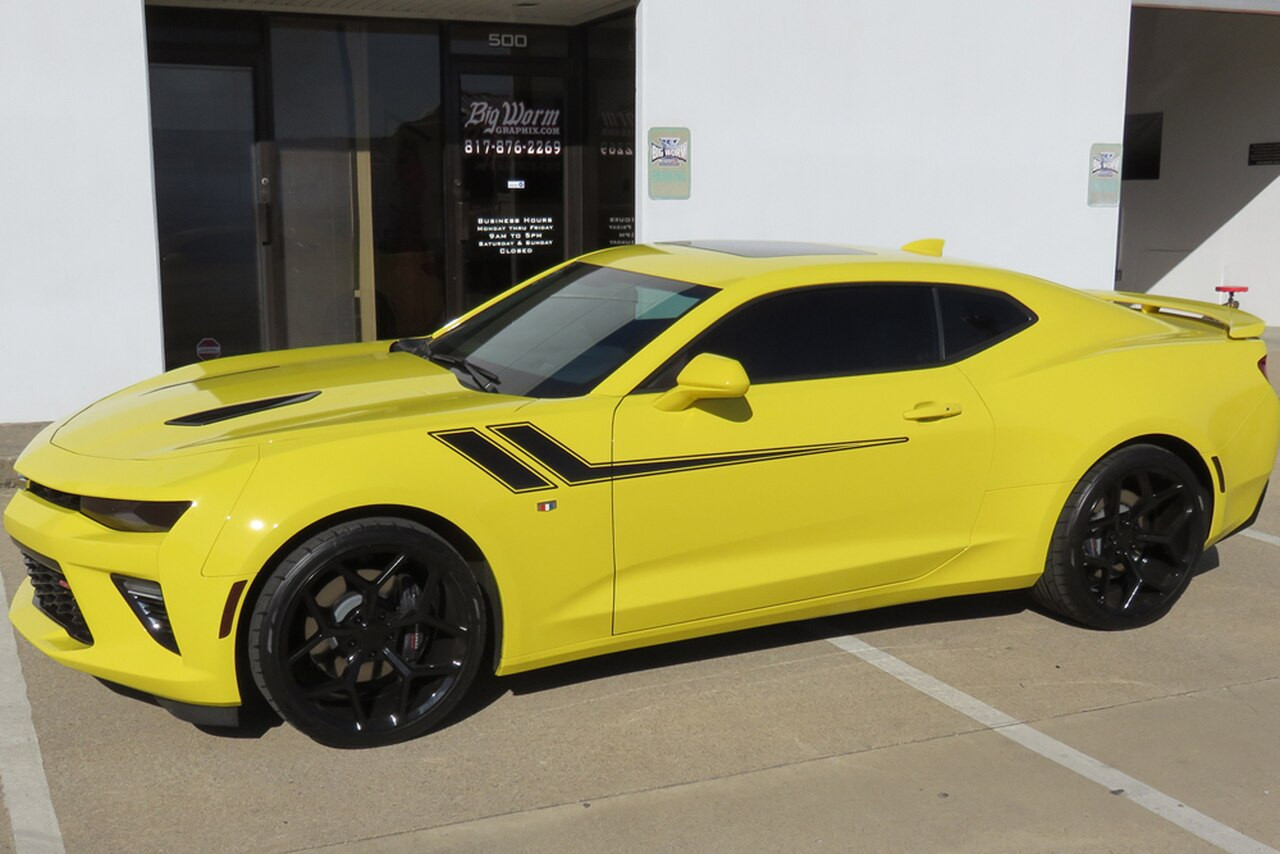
(257, 717)
(1209, 561)
(488, 689)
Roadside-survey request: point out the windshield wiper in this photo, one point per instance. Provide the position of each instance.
(484, 378)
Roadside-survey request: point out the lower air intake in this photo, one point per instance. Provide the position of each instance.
(54, 597)
(146, 600)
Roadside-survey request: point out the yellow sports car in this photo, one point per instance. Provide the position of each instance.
(644, 444)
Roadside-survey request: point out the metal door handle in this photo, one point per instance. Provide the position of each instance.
(264, 223)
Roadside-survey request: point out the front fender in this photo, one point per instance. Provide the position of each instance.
(553, 571)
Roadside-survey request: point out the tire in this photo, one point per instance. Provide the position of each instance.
(368, 633)
(1127, 542)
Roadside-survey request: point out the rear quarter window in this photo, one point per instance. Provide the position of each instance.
(973, 319)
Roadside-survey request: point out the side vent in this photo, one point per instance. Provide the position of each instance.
(222, 413)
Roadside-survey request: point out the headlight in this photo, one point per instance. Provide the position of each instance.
(149, 517)
(142, 517)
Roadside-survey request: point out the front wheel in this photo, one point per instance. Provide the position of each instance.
(1127, 542)
(368, 633)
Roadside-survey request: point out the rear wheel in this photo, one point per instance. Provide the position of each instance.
(1127, 541)
(368, 633)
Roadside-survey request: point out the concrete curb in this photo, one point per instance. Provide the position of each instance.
(13, 438)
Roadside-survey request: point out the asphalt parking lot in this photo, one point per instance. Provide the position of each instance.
(779, 739)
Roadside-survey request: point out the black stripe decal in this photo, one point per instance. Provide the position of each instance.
(494, 460)
(575, 471)
(564, 463)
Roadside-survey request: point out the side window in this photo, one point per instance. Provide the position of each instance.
(974, 319)
(816, 332)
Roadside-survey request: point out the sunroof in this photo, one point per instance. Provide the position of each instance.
(768, 248)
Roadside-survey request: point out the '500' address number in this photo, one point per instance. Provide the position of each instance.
(508, 40)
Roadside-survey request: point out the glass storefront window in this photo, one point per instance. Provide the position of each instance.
(314, 95)
(376, 176)
(406, 139)
(609, 160)
(203, 145)
(359, 141)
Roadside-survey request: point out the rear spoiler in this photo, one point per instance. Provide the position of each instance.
(1239, 324)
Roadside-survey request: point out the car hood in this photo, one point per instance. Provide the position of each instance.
(268, 395)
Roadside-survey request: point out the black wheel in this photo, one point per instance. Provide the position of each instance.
(368, 633)
(1127, 541)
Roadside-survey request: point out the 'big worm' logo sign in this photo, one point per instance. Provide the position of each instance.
(512, 118)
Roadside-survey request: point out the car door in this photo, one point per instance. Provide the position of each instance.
(855, 460)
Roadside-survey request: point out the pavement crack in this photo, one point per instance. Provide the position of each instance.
(1192, 692)
(598, 799)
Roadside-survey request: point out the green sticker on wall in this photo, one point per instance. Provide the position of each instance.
(669, 163)
(1104, 175)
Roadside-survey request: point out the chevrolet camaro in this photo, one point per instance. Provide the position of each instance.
(644, 444)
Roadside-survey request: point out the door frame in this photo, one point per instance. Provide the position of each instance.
(253, 53)
(455, 66)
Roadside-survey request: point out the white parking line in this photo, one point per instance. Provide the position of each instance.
(26, 791)
(1116, 782)
(1258, 535)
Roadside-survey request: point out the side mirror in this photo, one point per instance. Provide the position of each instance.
(707, 376)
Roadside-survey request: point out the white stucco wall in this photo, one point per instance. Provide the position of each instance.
(878, 123)
(1210, 218)
(79, 288)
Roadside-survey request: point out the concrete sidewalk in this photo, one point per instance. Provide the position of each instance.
(13, 438)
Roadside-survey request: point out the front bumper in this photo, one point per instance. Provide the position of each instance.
(113, 644)
(123, 652)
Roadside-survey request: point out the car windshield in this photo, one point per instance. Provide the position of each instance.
(565, 333)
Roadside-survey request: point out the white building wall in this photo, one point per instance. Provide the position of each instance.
(882, 122)
(1210, 218)
(79, 285)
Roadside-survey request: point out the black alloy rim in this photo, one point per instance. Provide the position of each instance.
(1139, 545)
(375, 639)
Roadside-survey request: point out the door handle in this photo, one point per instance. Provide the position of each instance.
(264, 223)
(930, 411)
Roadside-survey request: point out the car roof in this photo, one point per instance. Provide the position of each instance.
(722, 263)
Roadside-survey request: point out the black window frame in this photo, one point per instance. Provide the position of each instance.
(663, 378)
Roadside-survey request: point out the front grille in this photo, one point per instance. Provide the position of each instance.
(54, 597)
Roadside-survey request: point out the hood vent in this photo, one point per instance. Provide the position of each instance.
(222, 413)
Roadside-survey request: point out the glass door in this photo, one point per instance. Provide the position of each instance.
(211, 282)
(510, 171)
